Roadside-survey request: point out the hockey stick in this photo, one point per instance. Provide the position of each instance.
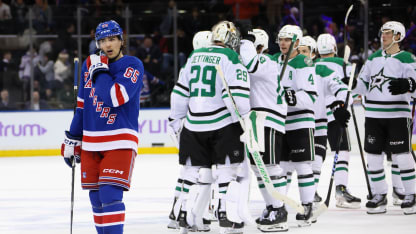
(413, 118)
(257, 157)
(324, 206)
(76, 62)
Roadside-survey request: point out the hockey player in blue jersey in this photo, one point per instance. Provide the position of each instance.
(104, 130)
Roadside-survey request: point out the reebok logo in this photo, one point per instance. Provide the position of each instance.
(21, 130)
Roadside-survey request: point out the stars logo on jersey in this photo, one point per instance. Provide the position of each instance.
(378, 80)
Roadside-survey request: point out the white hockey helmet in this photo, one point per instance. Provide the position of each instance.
(261, 39)
(396, 27)
(288, 31)
(310, 42)
(326, 44)
(227, 33)
(202, 39)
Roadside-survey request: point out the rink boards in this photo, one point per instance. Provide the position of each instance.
(35, 133)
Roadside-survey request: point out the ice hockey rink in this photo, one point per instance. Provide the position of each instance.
(35, 198)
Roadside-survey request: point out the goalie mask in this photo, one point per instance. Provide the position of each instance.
(262, 39)
(227, 33)
(309, 42)
(288, 31)
(395, 27)
(326, 44)
(202, 39)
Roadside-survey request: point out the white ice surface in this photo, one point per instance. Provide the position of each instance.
(35, 198)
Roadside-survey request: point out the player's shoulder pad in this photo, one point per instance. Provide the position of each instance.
(323, 70)
(275, 57)
(336, 60)
(376, 54)
(229, 53)
(300, 61)
(405, 57)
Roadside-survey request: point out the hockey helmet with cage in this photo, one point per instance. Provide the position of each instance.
(326, 44)
(395, 27)
(108, 29)
(261, 38)
(226, 32)
(310, 42)
(288, 31)
(202, 39)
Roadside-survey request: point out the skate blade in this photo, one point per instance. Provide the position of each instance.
(204, 228)
(224, 230)
(281, 227)
(304, 223)
(348, 205)
(378, 210)
(173, 224)
(409, 211)
(397, 201)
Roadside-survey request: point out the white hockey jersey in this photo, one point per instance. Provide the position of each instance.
(329, 86)
(335, 64)
(374, 78)
(199, 95)
(267, 94)
(299, 76)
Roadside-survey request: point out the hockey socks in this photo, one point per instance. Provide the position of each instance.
(341, 169)
(108, 209)
(278, 180)
(305, 181)
(316, 168)
(376, 174)
(407, 172)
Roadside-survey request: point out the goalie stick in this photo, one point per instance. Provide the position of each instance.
(76, 62)
(324, 206)
(255, 153)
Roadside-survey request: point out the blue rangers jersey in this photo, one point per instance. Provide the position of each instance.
(108, 110)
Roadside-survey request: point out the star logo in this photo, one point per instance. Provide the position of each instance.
(378, 80)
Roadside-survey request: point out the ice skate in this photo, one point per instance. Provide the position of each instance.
(377, 205)
(304, 220)
(227, 227)
(397, 197)
(274, 221)
(265, 213)
(183, 225)
(344, 199)
(409, 205)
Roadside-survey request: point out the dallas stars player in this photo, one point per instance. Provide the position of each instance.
(211, 132)
(327, 49)
(387, 81)
(267, 96)
(300, 94)
(329, 87)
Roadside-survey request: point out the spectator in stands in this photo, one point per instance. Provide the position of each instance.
(146, 93)
(38, 103)
(246, 10)
(184, 48)
(291, 17)
(25, 70)
(274, 11)
(92, 47)
(5, 103)
(66, 97)
(150, 55)
(7, 71)
(47, 69)
(5, 17)
(62, 69)
(42, 16)
(19, 11)
(65, 40)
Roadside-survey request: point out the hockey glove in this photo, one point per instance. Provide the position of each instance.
(401, 86)
(175, 130)
(342, 116)
(97, 64)
(346, 81)
(246, 31)
(71, 148)
(290, 97)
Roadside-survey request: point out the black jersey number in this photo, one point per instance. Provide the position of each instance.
(208, 78)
